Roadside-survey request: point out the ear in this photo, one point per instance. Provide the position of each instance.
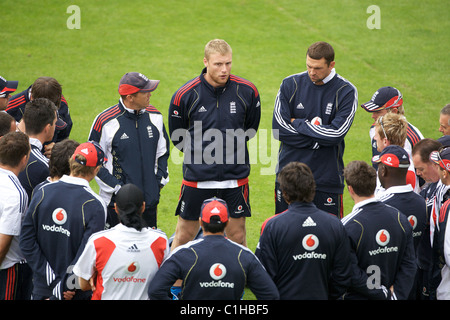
(205, 61)
(382, 170)
(332, 63)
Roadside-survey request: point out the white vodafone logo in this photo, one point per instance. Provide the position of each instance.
(217, 271)
(383, 237)
(59, 216)
(310, 242)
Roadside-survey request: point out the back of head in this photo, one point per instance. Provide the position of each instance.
(13, 147)
(424, 147)
(393, 127)
(361, 177)
(86, 159)
(38, 114)
(319, 50)
(297, 183)
(214, 215)
(59, 159)
(6, 121)
(47, 87)
(129, 206)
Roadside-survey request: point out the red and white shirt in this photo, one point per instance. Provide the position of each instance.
(126, 261)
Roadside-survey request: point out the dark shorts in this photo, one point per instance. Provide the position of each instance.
(16, 282)
(191, 200)
(326, 201)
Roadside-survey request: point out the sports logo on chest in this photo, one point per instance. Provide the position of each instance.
(232, 107)
(329, 108)
(149, 131)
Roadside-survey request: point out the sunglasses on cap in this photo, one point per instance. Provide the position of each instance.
(436, 157)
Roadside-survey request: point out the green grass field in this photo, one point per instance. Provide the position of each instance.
(165, 40)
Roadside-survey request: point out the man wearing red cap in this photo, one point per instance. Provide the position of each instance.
(213, 267)
(134, 138)
(60, 219)
(393, 166)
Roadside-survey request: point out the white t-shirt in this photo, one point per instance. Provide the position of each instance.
(126, 261)
(13, 206)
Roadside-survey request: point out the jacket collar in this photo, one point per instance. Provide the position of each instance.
(132, 111)
(218, 90)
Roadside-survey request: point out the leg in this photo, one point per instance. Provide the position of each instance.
(236, 230)
(238, 201)
(185, 231)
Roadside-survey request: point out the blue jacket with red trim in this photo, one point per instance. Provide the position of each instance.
(306, 252)
(16, 108)
(212, 126)
(137, 148)
(382, 249)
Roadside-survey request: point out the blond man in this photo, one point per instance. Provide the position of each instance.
(391, 129)
(211, 118)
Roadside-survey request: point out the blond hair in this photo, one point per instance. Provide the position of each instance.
(79, 170)
(217, 46)
(395, 126)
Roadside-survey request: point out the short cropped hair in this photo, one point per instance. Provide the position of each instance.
(5, 123)
(217, 46)
(214, 227)
(297, 182)
(424, 147)
(38, 113)
(319, 50)
(395, 126)
(446, 111)
(47, 87)
(361, 177)
(13, 147)
(62, 151)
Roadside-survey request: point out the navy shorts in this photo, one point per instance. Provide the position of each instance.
(191, 200)
(326, 201)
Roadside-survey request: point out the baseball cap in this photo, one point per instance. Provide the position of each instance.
(133, 82)
(92, 152)
(214, 207)
(441, 157)
(393, 156)
(7, 87)
(129, 199)
(384, 98)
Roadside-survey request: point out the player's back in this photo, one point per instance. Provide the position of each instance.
(381, 237)
(129, 259)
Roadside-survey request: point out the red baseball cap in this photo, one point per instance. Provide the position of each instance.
(133, 82)
(393, 156)
(92, 152)
(214, 207)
